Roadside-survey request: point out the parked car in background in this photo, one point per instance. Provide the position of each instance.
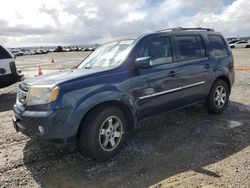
(233, 41)
(66, 49)
(123, 82)
(8, 72)
(27, 52)
(17, 53)
(89, 49)
(41, 51)
(240, 44)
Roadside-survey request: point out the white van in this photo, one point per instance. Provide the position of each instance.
(8, 72)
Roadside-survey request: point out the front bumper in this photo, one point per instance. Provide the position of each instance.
(52, 123)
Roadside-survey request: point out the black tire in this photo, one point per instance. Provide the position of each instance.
(248, 46)
(212, 105)
(232, 47)
(90, 133)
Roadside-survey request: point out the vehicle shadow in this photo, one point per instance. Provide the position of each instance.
(6, 101)
(166, 145)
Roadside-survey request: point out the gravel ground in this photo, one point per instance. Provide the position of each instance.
(186, 148)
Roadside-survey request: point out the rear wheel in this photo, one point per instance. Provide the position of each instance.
(218, 97)
(103, 132)
(248, 46)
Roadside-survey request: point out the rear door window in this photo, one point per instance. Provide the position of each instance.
(3, 53)
(189, 47)
(218, 45)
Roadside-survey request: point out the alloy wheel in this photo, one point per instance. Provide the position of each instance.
(110, 133)
(220, 96)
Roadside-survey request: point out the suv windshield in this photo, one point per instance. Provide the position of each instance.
(108, 55)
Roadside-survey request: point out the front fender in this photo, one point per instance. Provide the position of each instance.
(92, 99)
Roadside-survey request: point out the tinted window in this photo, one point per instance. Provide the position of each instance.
(159, 49)
(189, 48)
(4, 54)
(218, 45)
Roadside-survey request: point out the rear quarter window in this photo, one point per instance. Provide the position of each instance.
(218, 45)
(4, 54)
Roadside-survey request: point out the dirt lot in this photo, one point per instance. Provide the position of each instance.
(187, 148)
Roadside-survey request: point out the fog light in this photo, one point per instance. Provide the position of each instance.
(41, 129)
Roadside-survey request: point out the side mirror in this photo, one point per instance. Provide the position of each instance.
(143, 62)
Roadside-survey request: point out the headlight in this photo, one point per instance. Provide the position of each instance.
(42, 94)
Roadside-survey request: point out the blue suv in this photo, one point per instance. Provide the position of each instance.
(123, 82)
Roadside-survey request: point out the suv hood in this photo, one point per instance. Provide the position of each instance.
(57, 78)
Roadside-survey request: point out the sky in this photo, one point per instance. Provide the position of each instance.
(64, 22)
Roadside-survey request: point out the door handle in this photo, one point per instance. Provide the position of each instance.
(172, 74)
(207, 66)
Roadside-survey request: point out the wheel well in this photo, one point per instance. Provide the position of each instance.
(125, 109)
(225, 79)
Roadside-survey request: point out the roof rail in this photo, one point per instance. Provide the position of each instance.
(185, 29)
(168, 29)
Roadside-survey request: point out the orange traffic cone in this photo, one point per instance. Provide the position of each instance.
(40, 73)
(52, 61)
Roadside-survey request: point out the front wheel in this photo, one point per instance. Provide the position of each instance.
(218, 97)
(103, 132)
